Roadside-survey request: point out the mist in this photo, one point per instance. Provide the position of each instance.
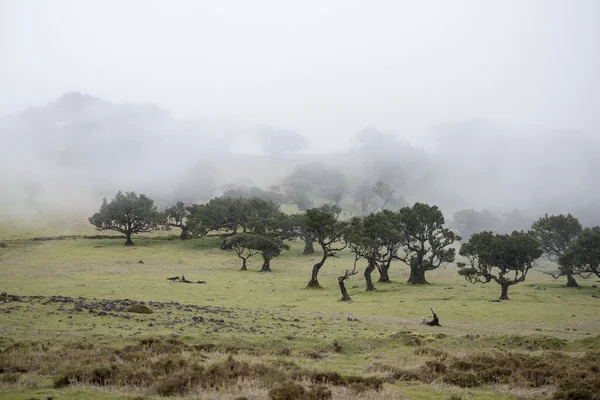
(463, 104)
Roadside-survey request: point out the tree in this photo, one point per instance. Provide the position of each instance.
(324, 228)
(515, 221)
(272, 194)
(127, 213)
(228, 215)
(301, 199)
(362, 194)
(242, 244)
(556, 234)
(426, 241)
(33, 190)
(329, 183)
(387, 195)
(269, 247)
(176, 217)
(467, 222)
(583, 256)
(296, 227)
(341, 279)
(376, 238)
(503, 258)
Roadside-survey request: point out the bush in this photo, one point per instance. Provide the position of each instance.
(9, 378)
(288, 391)
(462, 379)
(574, 394)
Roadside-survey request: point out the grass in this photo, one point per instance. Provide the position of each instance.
(269, 319)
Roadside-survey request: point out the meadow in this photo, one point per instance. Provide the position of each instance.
(70, 329)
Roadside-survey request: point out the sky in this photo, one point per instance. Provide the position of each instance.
(325, 69)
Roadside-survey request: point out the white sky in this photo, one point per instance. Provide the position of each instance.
(323, 68)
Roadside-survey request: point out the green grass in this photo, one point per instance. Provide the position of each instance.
(259, 309)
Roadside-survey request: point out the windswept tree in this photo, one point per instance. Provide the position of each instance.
(269, 247)
(324, 228)
(363, 194)
(426, 242)
(294, 226)
(503, 258)
(341, 279)
(127, 213)
(387, 195)
(583, 255)
(556, 234)
(242, 244)
(376, 238)
(334, 187)
(301, 199)
(176, 216)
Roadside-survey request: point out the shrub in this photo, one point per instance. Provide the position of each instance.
(462, 379)
(573, 394)
(9, 378)
(288, 391)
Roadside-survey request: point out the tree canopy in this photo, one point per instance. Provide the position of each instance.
(329, 183)
(176, 216)
(503, 258)
(376, 238)
(426, 242)
(323, 227)
(227, 215)
(583, 256)
(556, 234)
(127, 213)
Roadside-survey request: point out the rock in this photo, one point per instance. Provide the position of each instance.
(2, 244)
(140, 262)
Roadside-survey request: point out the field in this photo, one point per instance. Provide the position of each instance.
(67, 329)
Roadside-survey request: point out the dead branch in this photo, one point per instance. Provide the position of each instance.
(434, 322)
(341, 279)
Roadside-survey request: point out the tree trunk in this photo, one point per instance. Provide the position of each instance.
(571, 282)
(129, 242)
(504, 295)
(266, 267)
(383, 273)
(243, 265)
(345, 295)
(417, 274)
(314, 281)
(185, 233)
(308, 245)
(368, 271)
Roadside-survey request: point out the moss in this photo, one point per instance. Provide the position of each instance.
(140, 309)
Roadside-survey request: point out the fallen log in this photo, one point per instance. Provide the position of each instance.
(182, 280)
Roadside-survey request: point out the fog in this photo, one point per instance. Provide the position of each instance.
(464, 104)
